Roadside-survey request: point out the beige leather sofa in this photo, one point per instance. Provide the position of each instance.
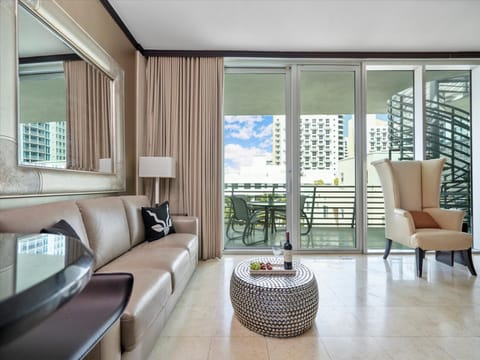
(113, 228)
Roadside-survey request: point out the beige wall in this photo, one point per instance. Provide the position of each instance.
(97, 22)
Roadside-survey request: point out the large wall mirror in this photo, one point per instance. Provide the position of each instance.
(65, 103)
(69, 119)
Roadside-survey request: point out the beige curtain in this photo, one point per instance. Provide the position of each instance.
(88, 116)
(184, 120)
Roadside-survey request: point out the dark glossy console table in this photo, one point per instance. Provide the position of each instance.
(51, 307)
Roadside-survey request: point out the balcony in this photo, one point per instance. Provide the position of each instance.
(330, 209)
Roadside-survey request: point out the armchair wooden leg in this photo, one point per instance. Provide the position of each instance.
(419, 255)
(388, 246)
(464, 257)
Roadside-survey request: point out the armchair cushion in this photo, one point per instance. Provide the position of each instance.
(448, 219)
(439, 239)
(423, 220)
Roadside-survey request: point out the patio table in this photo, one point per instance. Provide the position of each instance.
(269, 209)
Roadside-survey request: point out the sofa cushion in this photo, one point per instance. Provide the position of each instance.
(62, 227)
(32, 219)
(158, 222)
(133, 205)
(147, 255)
(178, 240)
(107, 228)
(151, 290)
(185, 224)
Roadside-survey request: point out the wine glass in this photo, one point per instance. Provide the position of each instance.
(277, 251)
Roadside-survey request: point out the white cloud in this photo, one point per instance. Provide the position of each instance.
(239, 155)
(266, 145)
(243, 119)
(244, 127)
(244, 133)
(233, 127)
(264, 131)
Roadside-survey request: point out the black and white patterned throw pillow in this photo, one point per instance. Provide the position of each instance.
(157, 221)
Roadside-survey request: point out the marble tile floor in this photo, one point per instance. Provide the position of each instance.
(368, 309)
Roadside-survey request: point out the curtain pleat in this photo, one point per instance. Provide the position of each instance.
(184, 120)
(88, 116)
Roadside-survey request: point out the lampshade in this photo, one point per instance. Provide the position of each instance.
(156, 166)
(105, 165)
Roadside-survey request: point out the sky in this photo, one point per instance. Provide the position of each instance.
(246, 136)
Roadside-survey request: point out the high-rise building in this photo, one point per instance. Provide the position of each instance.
(322, 142)
(377, 135)
(279, 141)
(43, 142)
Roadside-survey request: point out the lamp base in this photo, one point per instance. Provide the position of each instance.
(157, 191)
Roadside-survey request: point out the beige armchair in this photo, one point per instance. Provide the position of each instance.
(411, 190)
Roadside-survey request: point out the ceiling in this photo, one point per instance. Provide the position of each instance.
(303, 25)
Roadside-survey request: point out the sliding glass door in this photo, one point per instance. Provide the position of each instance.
(316, 150)
(254, 157)
(416, 112)
(389, 134)
(447, 135)
(326, 157)
(299, 141)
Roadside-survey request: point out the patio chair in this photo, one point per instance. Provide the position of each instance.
(411, 191)
(232, 219)
(281, 215)
(245, 216)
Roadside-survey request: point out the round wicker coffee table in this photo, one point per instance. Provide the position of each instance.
(274, 305)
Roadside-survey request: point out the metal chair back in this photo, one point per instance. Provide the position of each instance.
(241, 210)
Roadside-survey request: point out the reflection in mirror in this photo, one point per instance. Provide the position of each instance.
(65, 103)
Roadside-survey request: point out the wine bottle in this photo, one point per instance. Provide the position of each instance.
(287, 253)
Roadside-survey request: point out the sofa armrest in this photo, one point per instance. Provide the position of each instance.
(185, 224)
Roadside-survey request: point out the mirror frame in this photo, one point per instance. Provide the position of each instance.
(18, 180)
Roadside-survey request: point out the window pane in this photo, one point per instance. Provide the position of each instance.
(389, 134)
(447, 135)
(327, 153)
(254, 155)
(42, 128)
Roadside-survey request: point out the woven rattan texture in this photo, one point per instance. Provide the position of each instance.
(274, 305)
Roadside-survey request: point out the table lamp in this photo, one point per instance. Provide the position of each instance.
(156, 167)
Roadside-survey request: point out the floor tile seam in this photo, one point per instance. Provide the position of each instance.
(209, 348)
(368, 336)
(384, 352)
(212, 338)
(386, 349)
(330, 355)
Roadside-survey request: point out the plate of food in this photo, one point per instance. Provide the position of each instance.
(267, 268)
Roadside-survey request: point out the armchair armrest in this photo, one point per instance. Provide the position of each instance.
(185, 224)
(400, 226)
(448, 219)
(402, 213)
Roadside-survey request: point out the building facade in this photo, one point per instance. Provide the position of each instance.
(43, 143)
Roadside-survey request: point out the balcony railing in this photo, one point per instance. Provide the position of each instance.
(325, 205)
